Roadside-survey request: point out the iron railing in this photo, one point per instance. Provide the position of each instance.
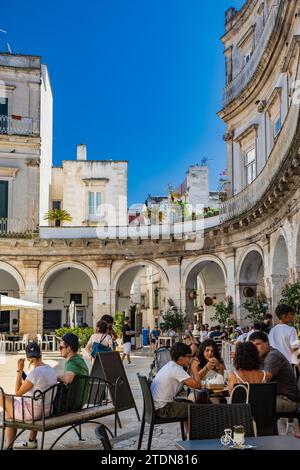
(16, 125)
(252, 194)
(241, 80)
(15, 227)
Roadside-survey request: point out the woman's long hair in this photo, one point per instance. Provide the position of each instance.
(208, 342)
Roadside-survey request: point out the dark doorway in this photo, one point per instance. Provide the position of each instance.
(51, 320)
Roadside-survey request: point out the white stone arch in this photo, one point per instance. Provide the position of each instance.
(64, 265)
(134, 264)
(199, 260)
(274, 245)
(15, 274)
(191, 273)
(240, 263)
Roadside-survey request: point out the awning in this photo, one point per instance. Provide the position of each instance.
(10, 303)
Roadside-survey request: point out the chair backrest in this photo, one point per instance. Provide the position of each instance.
(209, 421)
(25, 338)
(39, 337)
(162, 357)
(262, 398)
(149, 410)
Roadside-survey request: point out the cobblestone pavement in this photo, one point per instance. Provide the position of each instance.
(164, 437)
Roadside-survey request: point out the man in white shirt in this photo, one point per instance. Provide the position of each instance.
(169, 382)
(282, 336)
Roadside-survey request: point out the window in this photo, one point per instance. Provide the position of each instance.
(3, 199)
(94, 205)
(3, 115)
(250, 165)
(77, 298)
(56, 205)
(276, 125)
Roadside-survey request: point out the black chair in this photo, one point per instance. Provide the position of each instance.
(209, 421)
(262, 398)
(149, 415)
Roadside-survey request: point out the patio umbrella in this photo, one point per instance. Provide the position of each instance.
(10, 303)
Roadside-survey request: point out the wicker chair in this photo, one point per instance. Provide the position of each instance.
(262, 398)
(209, 421)
(149, 415)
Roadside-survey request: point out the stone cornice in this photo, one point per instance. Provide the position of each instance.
(31, 263)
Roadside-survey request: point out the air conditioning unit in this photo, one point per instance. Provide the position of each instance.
(81, 303)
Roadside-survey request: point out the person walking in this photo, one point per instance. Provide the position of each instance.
(127, 334)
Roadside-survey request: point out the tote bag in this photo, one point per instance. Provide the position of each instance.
(99, 348)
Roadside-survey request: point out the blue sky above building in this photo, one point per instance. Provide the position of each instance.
(137, 80)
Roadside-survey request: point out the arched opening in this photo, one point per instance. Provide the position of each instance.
(280, 272)
(141, 294)
(205, 287)
(9, 321)
(61, 287)
(251, 281)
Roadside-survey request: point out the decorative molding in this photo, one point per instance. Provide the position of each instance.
(246, 132)
(228, 136)
(94, 181)
(286, 61)
(8, 172)
(103, 263)
(246, 36)
(30, 263)
(174, 261)
(33, 162)
(276, 93)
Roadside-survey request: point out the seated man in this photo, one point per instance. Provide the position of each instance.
(75, 365)
(278, 369)
(169, 381)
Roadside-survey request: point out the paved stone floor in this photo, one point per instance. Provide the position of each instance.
(164, 437)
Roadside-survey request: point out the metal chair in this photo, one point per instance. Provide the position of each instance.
(209, 421)
(41, 342)
(6, 343)
(149, 415)
(262, 398)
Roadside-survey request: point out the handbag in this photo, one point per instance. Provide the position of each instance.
(99, 348)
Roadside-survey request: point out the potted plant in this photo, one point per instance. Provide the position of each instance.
(291, 297)
(257, 309)
(58, 216)
(224, 313)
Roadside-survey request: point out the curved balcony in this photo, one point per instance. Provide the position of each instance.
(241, 80)
(252, 194)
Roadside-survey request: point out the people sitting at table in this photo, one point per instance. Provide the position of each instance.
(210, 361)
(169, 381)
(41, 377)
(216, 332)
(278, 369)
(247, 366)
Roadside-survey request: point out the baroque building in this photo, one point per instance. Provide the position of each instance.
(254, 243)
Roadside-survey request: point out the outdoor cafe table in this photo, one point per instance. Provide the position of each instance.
(166, 341)
(260, 443)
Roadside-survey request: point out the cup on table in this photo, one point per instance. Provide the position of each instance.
(239, 435)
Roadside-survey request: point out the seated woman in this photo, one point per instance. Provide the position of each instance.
(41, 377)
(210, 361)
(246, 362)
(101, 335)
(189, 339)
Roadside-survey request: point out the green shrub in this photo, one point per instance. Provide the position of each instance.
(83, 334)
(119, 320)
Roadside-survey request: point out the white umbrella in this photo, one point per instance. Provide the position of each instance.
(10, 303)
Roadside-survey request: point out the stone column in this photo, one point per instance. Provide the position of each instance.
(278, 283)
(231, 281)
(101, 296)
(174, 274)
(31, 321)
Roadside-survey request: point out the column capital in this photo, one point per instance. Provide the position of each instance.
(103, 263)
(31, 263)
(174, 261)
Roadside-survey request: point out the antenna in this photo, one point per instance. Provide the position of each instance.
(8, 48)
(205, 160)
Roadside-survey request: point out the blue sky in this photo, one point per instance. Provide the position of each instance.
(137, 80)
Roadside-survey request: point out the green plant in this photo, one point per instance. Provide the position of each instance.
(257, 309)
(173, 319)
(291, 296)
(224, 313)
(58, 215)
(208, 212)
(119, 320)
(83, 334)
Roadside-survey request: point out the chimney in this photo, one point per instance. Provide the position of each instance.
(81, 152)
